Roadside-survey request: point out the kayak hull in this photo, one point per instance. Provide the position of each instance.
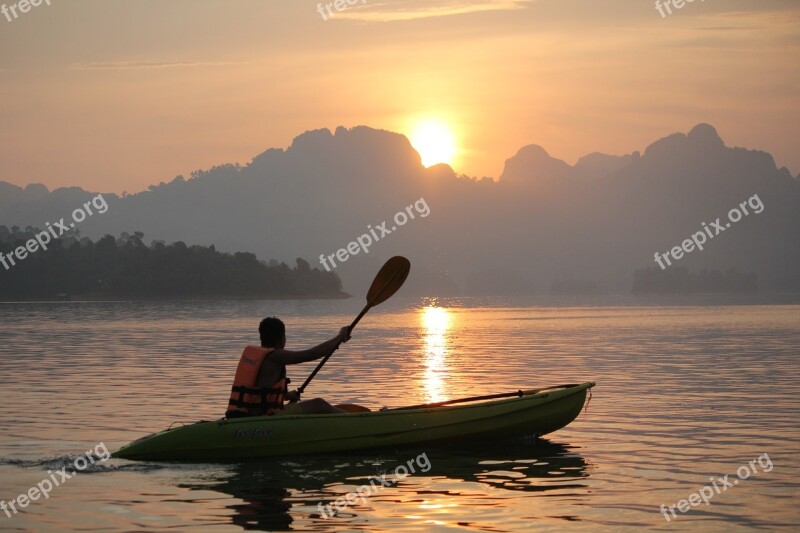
(536, 413)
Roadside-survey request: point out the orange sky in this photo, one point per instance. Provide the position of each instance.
(115, 95)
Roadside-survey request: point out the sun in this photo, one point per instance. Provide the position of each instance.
(434, 141)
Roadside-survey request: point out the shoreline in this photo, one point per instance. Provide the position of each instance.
(109, 298)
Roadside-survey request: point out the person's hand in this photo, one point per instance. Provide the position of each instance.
(344, 333)
(293, 396)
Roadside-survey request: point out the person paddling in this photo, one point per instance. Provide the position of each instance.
(260, 386)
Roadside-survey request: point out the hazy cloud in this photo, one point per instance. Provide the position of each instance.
(122, 65)
(389, 11)
(730, 28)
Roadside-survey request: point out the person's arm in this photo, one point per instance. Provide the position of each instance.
(291, 357)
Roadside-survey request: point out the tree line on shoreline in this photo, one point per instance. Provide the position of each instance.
(678, 280)
(125, 267)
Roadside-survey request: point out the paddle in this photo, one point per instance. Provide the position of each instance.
(389, 279)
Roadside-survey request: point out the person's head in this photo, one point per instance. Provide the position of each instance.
(272, 332)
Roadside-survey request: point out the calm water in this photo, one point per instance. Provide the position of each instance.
(684, 393)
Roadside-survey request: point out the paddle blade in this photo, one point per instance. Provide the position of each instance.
(390, 278)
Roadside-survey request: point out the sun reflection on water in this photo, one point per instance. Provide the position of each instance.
(436, 322)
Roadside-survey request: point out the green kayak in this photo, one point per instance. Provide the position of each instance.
(534, 412)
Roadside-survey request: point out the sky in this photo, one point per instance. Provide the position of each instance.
(115, 95)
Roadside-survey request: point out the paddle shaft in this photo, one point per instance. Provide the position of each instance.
(325, 359)
(519, 393)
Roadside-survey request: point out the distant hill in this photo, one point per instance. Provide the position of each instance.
(544, 222)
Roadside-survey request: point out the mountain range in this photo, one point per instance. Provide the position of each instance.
(542, 224)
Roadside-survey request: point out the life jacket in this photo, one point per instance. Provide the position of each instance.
(246, 399)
